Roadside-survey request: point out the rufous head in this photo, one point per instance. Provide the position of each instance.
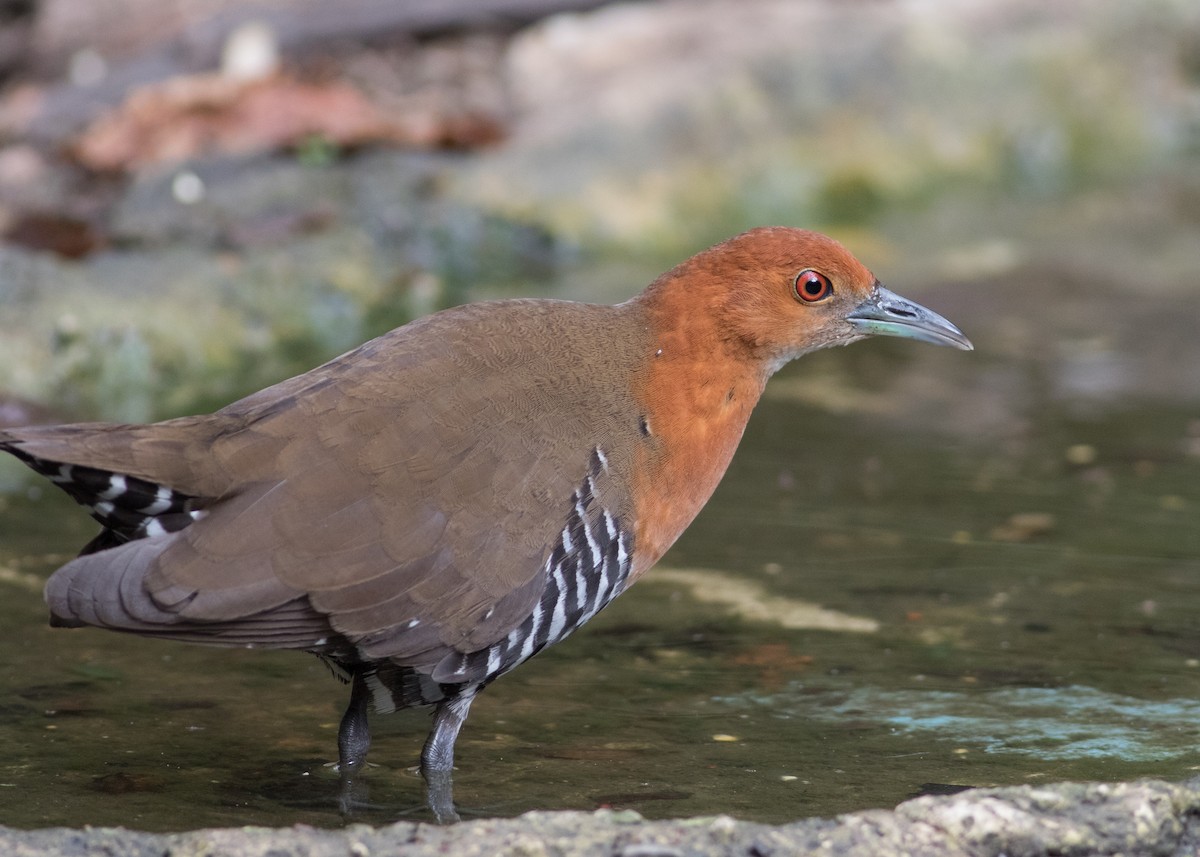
(784, 292)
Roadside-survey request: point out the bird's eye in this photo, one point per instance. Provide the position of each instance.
(812, 286)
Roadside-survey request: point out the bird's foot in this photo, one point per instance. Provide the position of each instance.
(439, 794)
(353, 796)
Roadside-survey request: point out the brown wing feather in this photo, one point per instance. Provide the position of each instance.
(424, 476)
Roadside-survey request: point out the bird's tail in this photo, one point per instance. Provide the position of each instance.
(103, 467)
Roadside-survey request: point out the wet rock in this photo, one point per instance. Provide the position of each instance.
(1145, 817)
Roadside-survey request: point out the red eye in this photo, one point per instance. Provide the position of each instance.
(812, 286)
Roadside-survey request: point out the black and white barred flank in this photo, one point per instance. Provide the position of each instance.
(587, 569)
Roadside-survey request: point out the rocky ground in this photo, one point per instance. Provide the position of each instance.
(1144, 818)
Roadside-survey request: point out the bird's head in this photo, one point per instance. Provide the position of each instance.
(785, 292)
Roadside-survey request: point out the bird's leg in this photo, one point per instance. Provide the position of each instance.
(354, 740)
(437, 757)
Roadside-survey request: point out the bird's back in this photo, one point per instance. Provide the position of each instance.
(404, 500)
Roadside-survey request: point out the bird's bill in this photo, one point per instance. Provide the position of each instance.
(885, 313)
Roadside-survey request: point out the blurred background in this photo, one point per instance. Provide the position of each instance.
(201, 197)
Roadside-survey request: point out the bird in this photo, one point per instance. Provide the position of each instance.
(431, 509)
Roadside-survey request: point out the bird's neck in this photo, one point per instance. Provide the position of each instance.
(696, 390)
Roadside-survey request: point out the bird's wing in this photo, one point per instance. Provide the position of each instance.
(405, 496)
